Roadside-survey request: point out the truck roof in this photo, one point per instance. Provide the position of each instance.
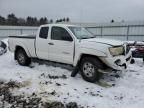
(60, 25)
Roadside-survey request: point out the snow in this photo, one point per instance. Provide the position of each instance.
(127, 92)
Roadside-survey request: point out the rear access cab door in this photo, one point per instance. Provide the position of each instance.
(41, 42)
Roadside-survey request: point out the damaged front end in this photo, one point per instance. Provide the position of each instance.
(118, 59)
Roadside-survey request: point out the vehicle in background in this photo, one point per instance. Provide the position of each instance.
(3, 48)
(138, 52)
(137, 48)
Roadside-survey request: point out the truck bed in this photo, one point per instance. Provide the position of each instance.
(25, 41)
(24, 36)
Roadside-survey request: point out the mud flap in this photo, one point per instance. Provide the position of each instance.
(75, 71)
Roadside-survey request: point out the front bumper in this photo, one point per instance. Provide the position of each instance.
(118, 62)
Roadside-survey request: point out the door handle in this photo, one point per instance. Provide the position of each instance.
(51, 43)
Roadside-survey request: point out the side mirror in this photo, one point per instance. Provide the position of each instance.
(67, 38)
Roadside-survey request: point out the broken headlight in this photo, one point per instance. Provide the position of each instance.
(115, 51)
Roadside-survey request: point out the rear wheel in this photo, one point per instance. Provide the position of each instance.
(89, 69)
(22, 57)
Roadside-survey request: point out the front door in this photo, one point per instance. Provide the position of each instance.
(61, 46)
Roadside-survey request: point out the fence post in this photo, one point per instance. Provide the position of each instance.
(127, 35)
(101, 31)
(21, 31)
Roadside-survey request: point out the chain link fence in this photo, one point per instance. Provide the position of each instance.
(132, 31)
(128, 31)
(6, 31)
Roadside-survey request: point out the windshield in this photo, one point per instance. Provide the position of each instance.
(81, 33)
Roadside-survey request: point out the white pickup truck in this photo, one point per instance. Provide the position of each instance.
(74, 45)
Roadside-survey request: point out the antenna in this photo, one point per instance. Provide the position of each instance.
(81, 17)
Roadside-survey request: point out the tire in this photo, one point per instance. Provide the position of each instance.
(89, 69)
(132, 61)
(22, 57)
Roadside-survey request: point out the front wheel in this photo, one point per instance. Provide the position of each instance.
(22, 57)
(89, 69)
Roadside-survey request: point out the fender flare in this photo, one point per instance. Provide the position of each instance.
(25, 49)
(89, 52)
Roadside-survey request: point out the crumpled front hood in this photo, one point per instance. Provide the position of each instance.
(104, 41)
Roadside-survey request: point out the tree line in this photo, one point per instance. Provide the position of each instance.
(11, 19)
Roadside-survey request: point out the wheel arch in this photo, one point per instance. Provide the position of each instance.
(93, 56)
(18, 47)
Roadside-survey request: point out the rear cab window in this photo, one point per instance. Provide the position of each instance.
(44, 32)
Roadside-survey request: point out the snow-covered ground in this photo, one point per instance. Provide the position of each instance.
(54, 83)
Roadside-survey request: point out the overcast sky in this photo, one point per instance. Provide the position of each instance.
(77, 10)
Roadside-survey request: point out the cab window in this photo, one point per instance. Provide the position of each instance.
(44, 32)
(59, 33)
